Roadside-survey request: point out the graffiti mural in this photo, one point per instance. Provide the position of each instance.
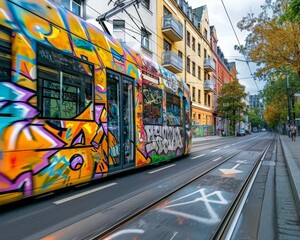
(163, 139)
(53, 101)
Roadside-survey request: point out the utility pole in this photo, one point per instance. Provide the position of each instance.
(289, 99)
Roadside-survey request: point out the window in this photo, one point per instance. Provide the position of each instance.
(193, 68)
(194, 93)
(205, 53)
(152, 105)
(199, 96)
(146, 4)
(208, 100)
(188, 65)
(5, 55)
(167, 46)
(74, 6)
(119, 30)
(199, 49)
(64, 84)
(199, 72)
(166, 12)
(205, 98)
(188, 38)
(179, 54)
(173, 110)
(205, 33)
(145, 41)
(193, 43)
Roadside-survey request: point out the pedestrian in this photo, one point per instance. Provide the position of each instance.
(293, 132)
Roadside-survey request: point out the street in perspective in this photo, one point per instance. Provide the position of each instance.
(149, 119)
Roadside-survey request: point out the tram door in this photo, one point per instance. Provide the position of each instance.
(184, 124)
(186, 121)
(120, 116)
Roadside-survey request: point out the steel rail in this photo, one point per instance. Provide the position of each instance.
(145, 208)
(228, 225)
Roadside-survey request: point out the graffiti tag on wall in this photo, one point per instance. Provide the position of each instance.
(163, 139)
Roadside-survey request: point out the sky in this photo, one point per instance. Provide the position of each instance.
(236, 9)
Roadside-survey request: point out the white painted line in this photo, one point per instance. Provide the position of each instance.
(172, 165)
(216, 150)
(83, 194)
(217, 159)
(227, 146)
(233, 144)
(198, 156)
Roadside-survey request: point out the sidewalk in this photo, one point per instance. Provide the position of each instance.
(291, 152)
(205, 138)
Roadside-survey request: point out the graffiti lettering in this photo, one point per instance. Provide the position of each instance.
(114, 151)
(163, 139)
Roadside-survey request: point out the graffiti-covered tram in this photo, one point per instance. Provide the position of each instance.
(76, 105)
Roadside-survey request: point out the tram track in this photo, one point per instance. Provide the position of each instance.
(227, 226)
(224, 225)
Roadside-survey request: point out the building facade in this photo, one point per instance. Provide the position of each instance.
(175, 36)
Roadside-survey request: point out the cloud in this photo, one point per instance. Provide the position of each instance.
(236, 10)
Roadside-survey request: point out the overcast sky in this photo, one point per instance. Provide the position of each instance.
(236, 9)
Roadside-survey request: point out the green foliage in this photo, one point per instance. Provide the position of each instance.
(275, 98)
(292, 12)
(254, 117)
(230, 104)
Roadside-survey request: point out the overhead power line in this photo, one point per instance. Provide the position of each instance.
(246, 60)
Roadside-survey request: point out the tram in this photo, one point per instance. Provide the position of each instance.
(76, 105)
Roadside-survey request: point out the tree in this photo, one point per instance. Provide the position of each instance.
(230, 104)
(271, 43)
(293, 12)
(254, 117)
(276, 100)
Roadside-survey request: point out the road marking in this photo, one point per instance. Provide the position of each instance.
(198, 156)
(230, 171)
(172, 165)
(216, 150)
(233, 144)
(83, 194)
(217, 159)
(227, 146)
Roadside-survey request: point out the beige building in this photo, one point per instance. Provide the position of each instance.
(183, 42)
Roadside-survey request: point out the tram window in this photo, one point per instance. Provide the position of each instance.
(5, 55)
(152, 105)
(173, 110)
(63, 95)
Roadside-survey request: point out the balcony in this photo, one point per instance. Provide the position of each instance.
(209, 65)
(209, 85)
(172, 28)
(172, 62)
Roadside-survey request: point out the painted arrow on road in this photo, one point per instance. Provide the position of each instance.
(231, 170)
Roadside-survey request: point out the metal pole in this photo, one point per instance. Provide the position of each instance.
(289, 100)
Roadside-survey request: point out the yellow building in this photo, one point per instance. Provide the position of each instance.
(183, 47)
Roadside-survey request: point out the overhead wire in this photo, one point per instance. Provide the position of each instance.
(246, 60)
(149, 30)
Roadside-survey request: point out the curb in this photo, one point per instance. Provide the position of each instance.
(294, 172)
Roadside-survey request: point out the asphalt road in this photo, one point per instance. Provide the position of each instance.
(90, 209)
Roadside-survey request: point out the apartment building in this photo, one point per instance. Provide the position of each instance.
(183, 42)
(174, 35)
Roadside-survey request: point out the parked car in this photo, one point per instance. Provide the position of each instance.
(263, 130)
(241, 132)
(255, 130)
